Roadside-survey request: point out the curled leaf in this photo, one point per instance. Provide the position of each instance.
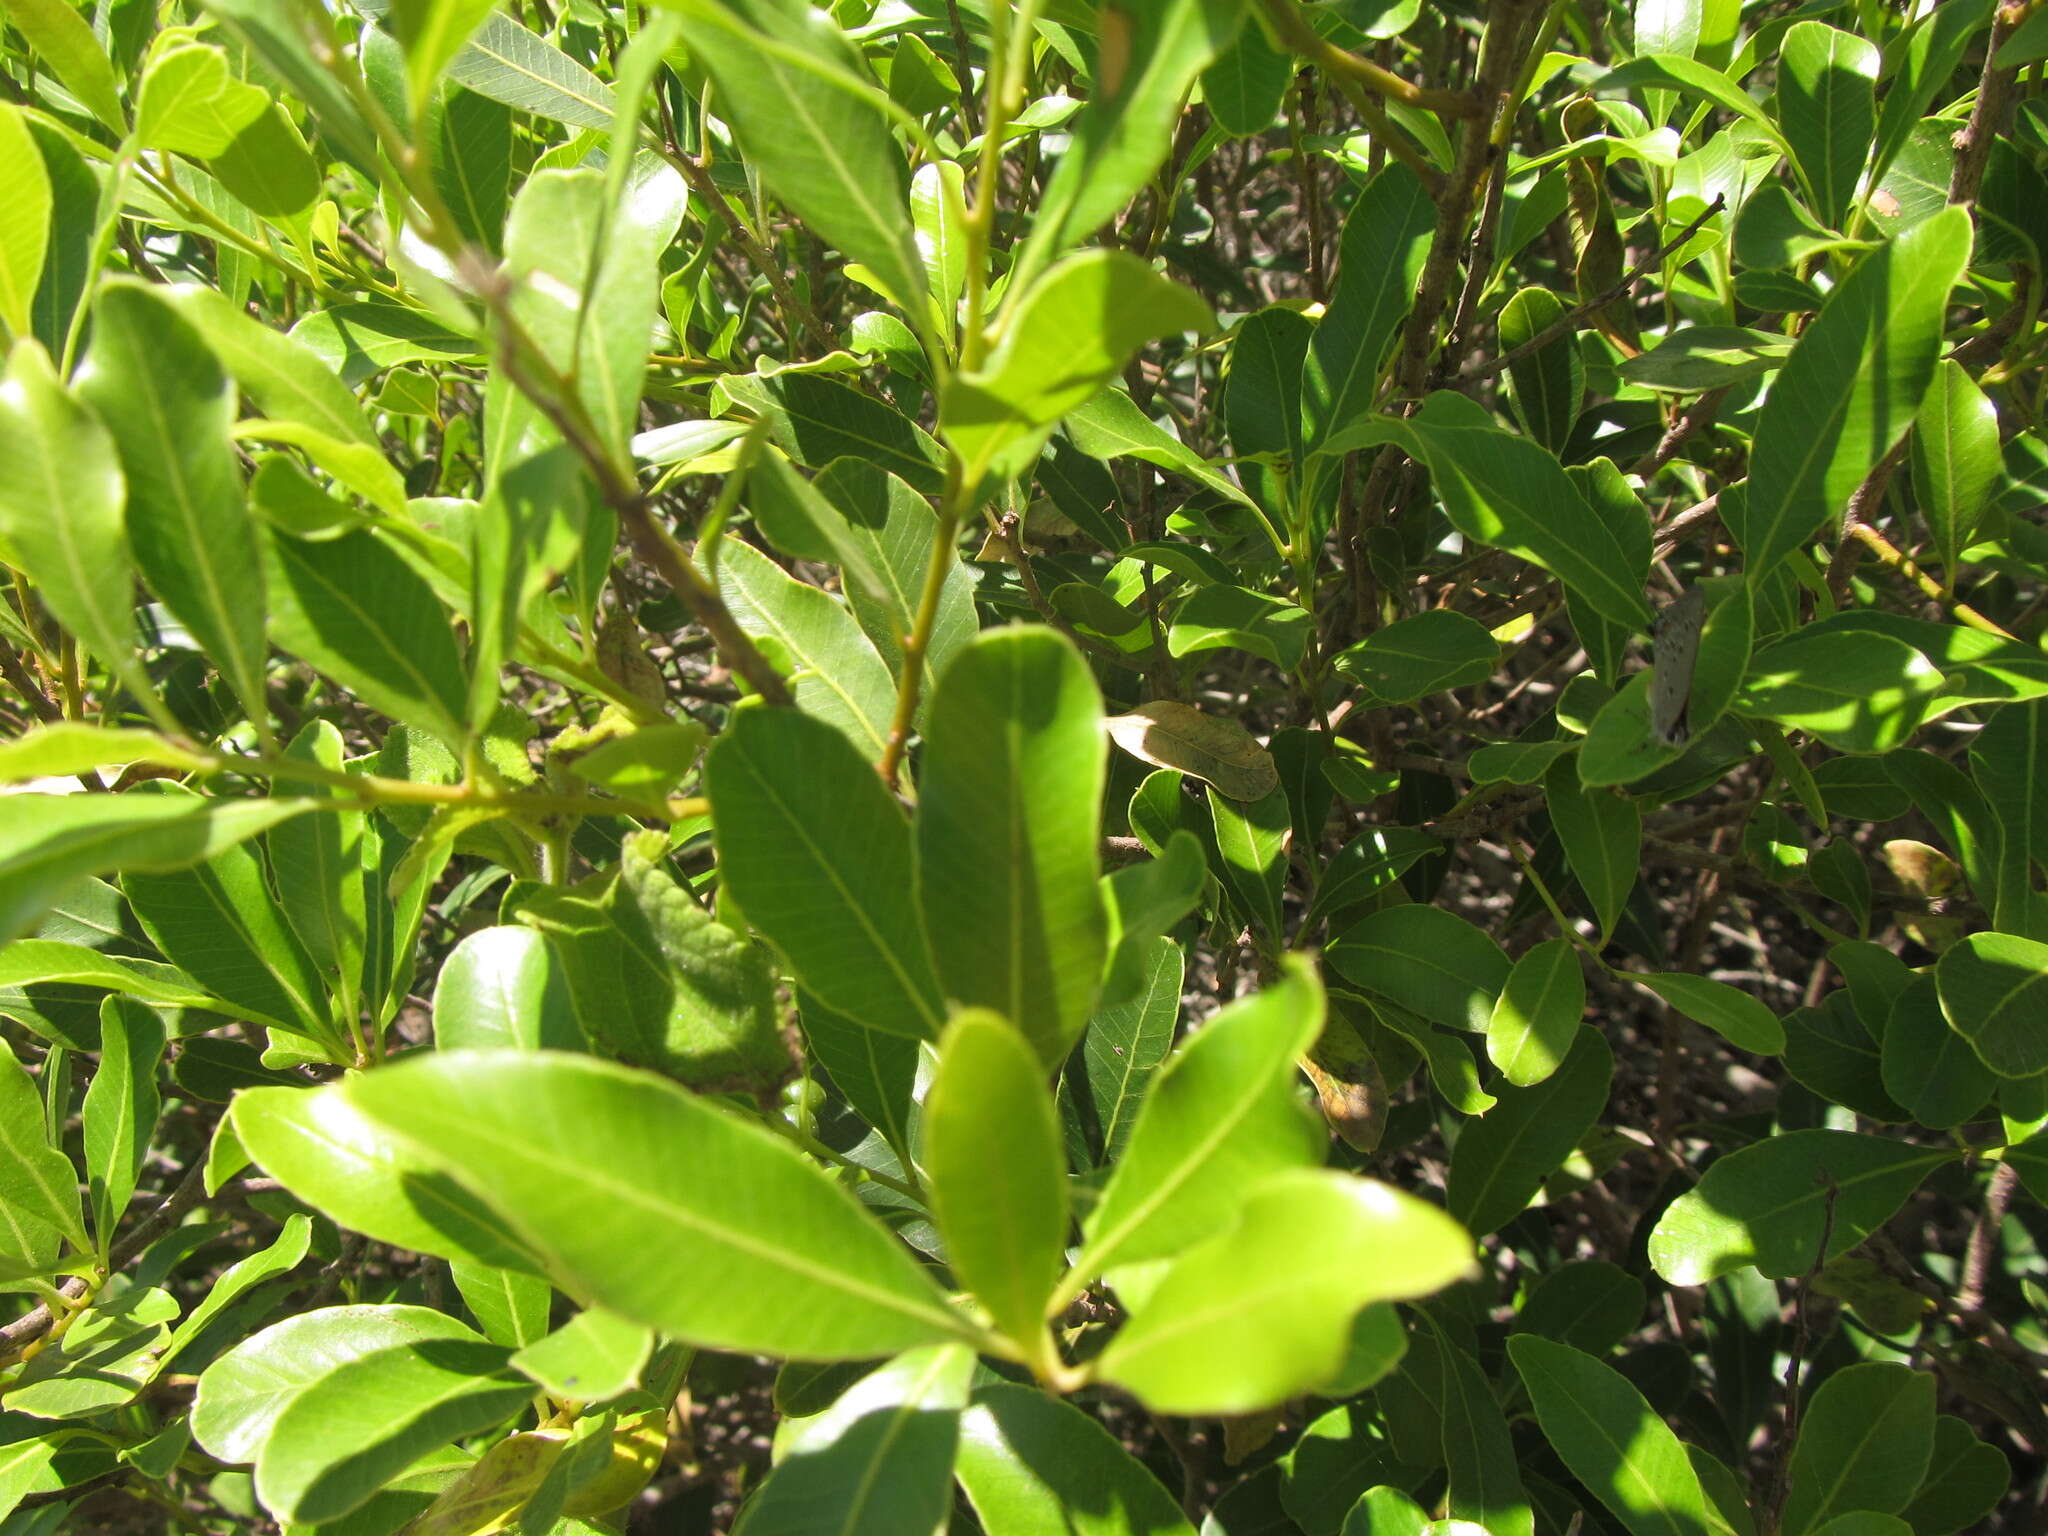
(1219, 752)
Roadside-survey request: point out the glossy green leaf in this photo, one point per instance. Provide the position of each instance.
(168, 405)
(356, 1423)
(60, 511)
(1379, 262)
(219, 916)
(1856, 692)
(1127, 128)
(1120, 1052)
(1502, 1159)
(1927, 1066)
(1479, 1453)
(1602, 834)
(1031, 1463)
(1992, 988)
(331, 1157)
(771, 1256)
(1426, 959)
(433, 32)
(998, 1182)
(2010, 761)
(318, 862)
(64, 40)
(1505, 490)
(1613, 1443)
(38, 1190)
(1251, 841)
(1768, 1205)
(875, 1071)
(1850, 389)
(238, 1279)
(819, 858)
(1536, 1017)
(878, 1462)
(1425, 654)
(1369, 863)
(25, 225)
(1965, 1479)
(1246, 84)
(499, 988)
(1547, 387)
(1069, 335)
(1865, 1441)
(838, 676)
(1262, 1310)
(808, 120)
(39, 962)
(1011, 778)
(49, 842)
(1221, 1117)
(121, 1109)
(1826, 103)
(592, 1358)
(190, 101)
(1728, 1011)
(1955, 458)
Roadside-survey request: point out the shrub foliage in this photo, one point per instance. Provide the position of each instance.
(1265, 764)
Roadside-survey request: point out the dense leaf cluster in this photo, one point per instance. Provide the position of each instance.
(1023, 766)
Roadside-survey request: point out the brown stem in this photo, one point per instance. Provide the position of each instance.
(1984, 1238)
(795, 312)
(1856, 521)
(1973, 140)
(1691, 421)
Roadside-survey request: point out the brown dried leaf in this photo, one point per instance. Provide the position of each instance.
(1218, 752)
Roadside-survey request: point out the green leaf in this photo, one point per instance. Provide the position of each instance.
(838, 675)
(1728, 1011)
(808, 121)
(1992, 988)
(168, 406)
(1864, 1443)
(815, 419)
(1702, 357)
(2010, 759)
(773, 1258)
(1221, 1117)
(1012, 781)
(1111, 1070)
(998, 1182)
(50, 842)
(60, 512)
(1955, 458)
(1502, 1158)
(880, 1459)
(38, 962)
(877, 1072)
(397, 652)
(287, 378)
(1768, 1204)
(324, 1151)
(38, 1187)
(64, 41)
(1366, 865)
(1536, 1017)
(269, 170)
(238, 1279)
(1069, 335)
(25, 224)
(1850, 389)
(358, 341)
(1927, 1066)
(1425, 654)
(1380, 259)
(1507, 491)
(1246, 84)
(1546, 387)
(219, 916)
(1602, 833)
(192, 104)
(592, 1358)
(433, 32)
(1426, 959)
(1032, 1463)
(1151, 57)
(351, 1427)
(894, 528)
(498, 988)
(819, 858)
(1610, 1439)
(285, 43)
(1826, 103)
(1262, 1310)
(121, 1109)
(1251, 842)
(318, 861)
(1589, 1304)
(1219, 617)
(1858, 692)
(798, 520)
(1479, 1453)
(1669, 71)
(1965, 1480)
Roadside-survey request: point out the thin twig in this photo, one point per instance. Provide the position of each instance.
(1297, 34)
(1691, 421)
(1973, 140)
